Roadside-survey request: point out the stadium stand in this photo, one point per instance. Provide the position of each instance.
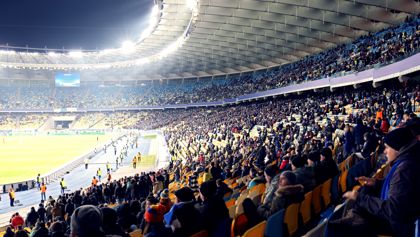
(285, 166)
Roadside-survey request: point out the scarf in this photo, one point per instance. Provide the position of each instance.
(387, 182)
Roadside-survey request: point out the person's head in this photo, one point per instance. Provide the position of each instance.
(151, 201)
(298, 162)
(109, 216)
(395, 140)
(184, 194)
(154, 214)
(313, 157)
(249, 207)
(326, 154)
(207, 189)
(414, 126)
(269, 172)
(287, 178)
(86, 221)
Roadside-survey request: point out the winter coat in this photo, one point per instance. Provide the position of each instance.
(402, 207)
(306, 177)
(270, 189)
(283, 197)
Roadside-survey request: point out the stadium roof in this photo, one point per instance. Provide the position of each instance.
(193, 38)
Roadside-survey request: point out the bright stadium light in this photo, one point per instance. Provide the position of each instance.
(76, 54)
(128, 46)
(191, 4)
(52, 54)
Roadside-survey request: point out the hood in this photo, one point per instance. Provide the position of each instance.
(289, 190)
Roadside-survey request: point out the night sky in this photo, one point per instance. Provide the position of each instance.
(72, 24)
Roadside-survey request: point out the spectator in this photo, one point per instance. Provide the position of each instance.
(305, 175)
(154, 220)
(288, 192)
(86, 221)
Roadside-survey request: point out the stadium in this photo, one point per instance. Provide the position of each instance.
(201, 118)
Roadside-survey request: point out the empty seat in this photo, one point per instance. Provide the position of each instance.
(291, 218)
(275, 225)
(136, 233)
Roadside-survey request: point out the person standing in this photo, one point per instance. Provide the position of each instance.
(43, 192)
(94, 181)
(38, 180)
(63, 185)
(108, 168)
(134, 162)
(86, 163)
(12, 196)
(99, 173)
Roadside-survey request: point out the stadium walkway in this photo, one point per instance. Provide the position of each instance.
(76, 179)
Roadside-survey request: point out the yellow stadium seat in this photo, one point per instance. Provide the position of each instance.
(256, 231)
(316, 200)
(260, 188)
(136, 233)
(291, 218)
(202, 233)
(326, 193)
(343, 181)
(305, 208)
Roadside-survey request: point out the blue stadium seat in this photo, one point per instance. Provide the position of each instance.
(275, 225)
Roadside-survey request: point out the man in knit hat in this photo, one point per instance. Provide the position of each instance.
(395, 209)
(86, 221)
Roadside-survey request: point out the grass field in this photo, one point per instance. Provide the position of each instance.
(23, 157)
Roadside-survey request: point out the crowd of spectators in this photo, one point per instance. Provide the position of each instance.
(368, 51)
(304, 135)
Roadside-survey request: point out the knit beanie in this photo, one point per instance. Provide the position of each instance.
(86, 221)
(164, 194)
(398, 138)
(208, 188)
(154, 214)
(290, 176)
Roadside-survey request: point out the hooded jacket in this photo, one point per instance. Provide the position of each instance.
(283, 197)
(402, 207)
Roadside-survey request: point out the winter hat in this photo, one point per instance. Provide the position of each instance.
(398, 138)
(109, 216)
(155, 214)
(298, 161)
(164, 194)
(290, 176)
(184, 194)
(86, 221)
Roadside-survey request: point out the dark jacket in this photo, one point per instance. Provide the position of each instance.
(158, 230)
(402, 206)
(325, 170)
(189, 218)
(306, 177)
(213, 212)
(283, 197)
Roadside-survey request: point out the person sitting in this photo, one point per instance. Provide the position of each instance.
(165, 200)
(154, 220)
(251, 214)
(326, 168)
(272, 177)
(17, 221)
(305, 175)
(213, 210)
(183, 218)
(86, 221)
(395, 209)
(288, 192)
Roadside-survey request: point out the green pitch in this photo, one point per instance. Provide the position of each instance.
(23, 157)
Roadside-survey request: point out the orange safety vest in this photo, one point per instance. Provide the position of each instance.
(43, 189)
(94, 181)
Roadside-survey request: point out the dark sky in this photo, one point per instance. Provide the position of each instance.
(73, 24)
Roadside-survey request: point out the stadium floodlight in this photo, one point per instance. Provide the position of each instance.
(76, 54)
(191, 4)
(128, 46)
(52, 54)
